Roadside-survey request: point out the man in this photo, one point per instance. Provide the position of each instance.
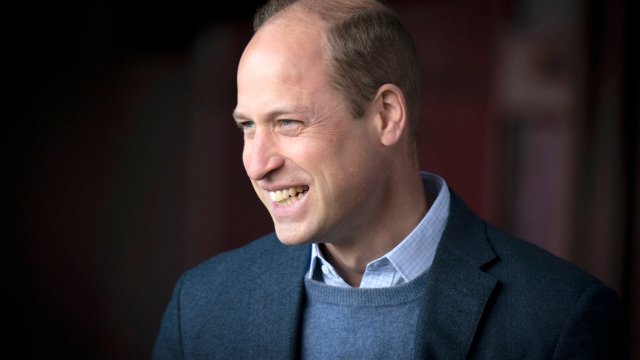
(370, 258)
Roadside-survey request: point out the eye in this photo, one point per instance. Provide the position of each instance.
(288, 122)
(246, 124)
(246, 127)
(290, 127)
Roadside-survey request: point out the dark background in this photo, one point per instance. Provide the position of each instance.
(125, 169)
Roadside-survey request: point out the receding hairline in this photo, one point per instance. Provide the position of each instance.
(327, 11)
(294, 13)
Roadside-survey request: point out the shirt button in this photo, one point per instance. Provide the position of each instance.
(325, 269)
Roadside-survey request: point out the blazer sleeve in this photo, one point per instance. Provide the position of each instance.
(169, 343)
(595, 328)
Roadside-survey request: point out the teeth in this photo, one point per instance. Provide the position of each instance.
(287, 196)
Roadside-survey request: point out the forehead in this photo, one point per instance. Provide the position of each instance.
(288, 45)
(284, 64)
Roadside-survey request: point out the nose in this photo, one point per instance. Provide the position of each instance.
(261, 155)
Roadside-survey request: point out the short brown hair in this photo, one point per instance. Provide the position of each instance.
(368, 47)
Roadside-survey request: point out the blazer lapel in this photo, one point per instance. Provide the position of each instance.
(458, 289)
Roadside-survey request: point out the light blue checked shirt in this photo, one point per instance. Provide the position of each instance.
(410, 258)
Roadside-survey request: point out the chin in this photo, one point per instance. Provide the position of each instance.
(292, 238)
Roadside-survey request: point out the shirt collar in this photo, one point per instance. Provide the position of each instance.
(410, 258)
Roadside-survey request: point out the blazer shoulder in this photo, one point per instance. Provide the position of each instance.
(536, 267)
(520, 266)
(580, 315)
(245, 262)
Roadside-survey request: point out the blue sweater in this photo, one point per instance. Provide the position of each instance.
(350, 323)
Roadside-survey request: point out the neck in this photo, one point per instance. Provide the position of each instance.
(403, 208)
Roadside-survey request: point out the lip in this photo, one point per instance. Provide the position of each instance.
(269, 188)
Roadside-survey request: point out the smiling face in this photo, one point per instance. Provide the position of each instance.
(312, 165)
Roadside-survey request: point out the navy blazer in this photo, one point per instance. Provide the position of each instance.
(490, 296)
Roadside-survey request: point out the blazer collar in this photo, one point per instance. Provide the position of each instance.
(458, 289)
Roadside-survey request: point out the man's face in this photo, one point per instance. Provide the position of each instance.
(311, 164)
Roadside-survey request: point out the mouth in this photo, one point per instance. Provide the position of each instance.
(286, 197)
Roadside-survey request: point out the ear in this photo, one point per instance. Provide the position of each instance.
(391, 109)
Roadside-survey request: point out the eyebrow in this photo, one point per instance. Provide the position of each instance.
(237, 115)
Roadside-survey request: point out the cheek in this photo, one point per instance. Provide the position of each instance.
(304, 152)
